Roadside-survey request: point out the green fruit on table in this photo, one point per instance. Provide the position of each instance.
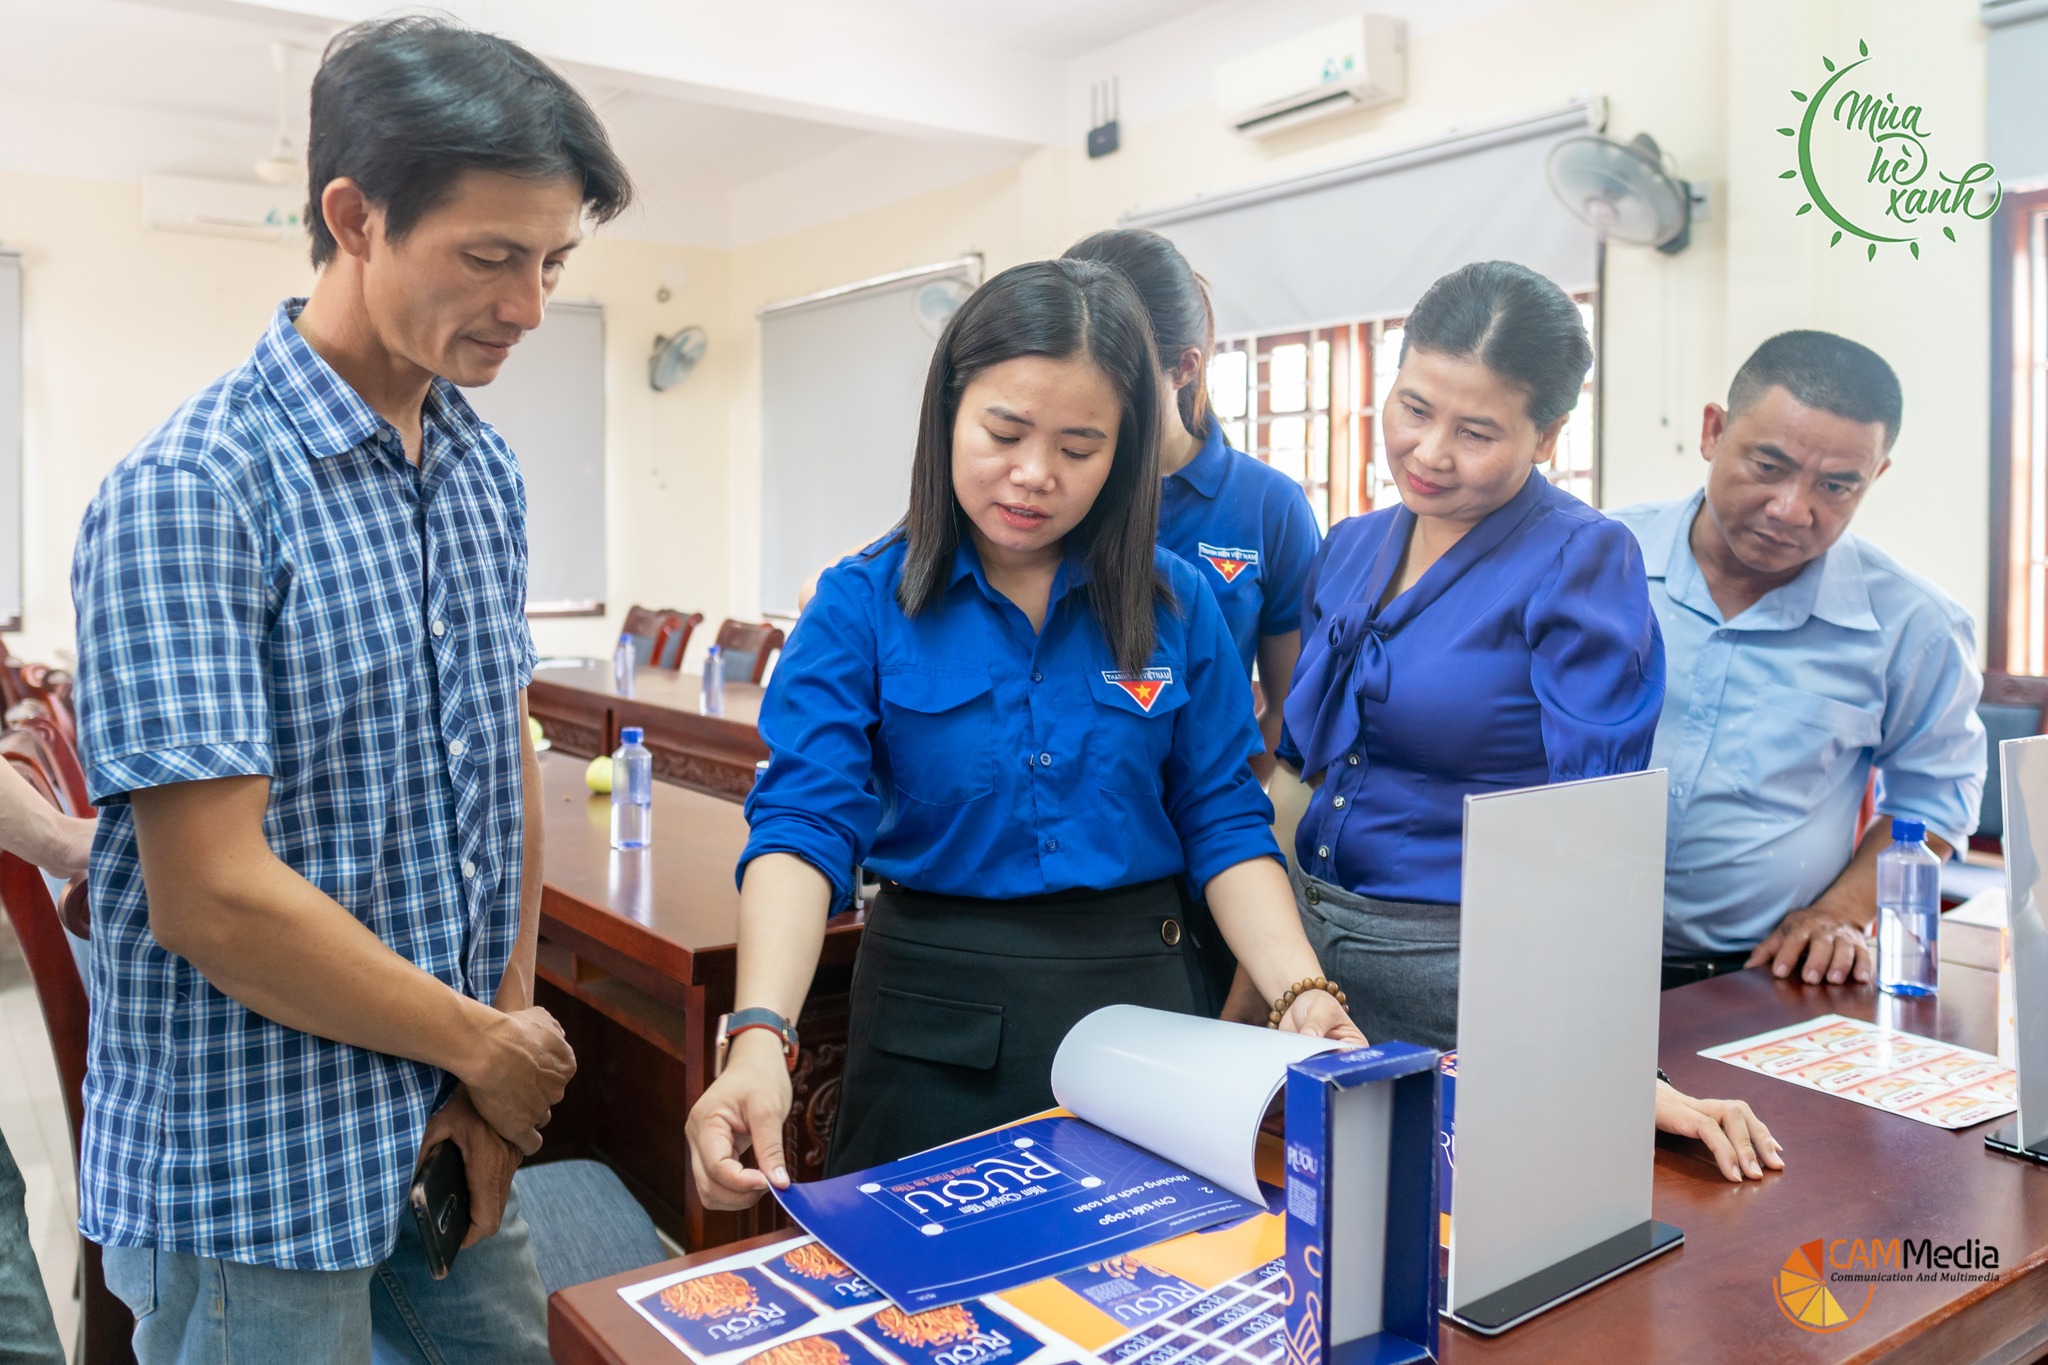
(534, 726)
(598, 776)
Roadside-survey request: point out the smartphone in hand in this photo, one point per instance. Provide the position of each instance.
(440, 1206)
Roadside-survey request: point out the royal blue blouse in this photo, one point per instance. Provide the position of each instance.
(957, 752)
(1248, 530)
(1527, 654)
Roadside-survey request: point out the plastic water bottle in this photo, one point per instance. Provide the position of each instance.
(714, 681)
(622, 667)
(632, 792)
(1908, 912)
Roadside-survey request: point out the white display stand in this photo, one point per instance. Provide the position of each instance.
(2024, 763)
(1560, 965)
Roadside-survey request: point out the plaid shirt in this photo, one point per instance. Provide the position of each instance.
(266, 586)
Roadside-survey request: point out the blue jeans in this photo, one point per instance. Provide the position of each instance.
(195, 1310)
(28, 1334)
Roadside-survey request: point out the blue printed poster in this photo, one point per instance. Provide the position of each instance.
(1004, 1209)
(725, 1310)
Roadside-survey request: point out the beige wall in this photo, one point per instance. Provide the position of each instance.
(1710, 79)
(124, 323)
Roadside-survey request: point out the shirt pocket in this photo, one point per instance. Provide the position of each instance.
(938, 728)
(1805, 747)
(1131, 726)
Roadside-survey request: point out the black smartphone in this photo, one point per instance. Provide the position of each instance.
(440, 1206)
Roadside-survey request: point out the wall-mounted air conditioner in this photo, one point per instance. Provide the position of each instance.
(1349, 65)
(224, 208)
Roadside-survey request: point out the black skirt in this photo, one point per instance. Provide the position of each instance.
(959, 1004)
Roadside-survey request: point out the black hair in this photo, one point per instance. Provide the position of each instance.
(1513, 321)
(404, 106)
(1175, 298)
(1823, 371)
(1065, 310)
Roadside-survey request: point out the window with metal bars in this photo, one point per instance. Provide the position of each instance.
(2018, 631)
(1308, 403)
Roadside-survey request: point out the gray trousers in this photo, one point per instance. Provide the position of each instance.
(1396, 960)
(28, 1334)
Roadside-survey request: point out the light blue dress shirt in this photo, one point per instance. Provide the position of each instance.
(1773, 721)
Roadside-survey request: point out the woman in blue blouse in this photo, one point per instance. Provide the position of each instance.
(1490, 632)
(1031, 722)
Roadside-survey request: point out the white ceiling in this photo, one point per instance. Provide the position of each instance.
(724, 109)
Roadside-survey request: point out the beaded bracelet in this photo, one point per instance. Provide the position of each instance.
(1301, 988)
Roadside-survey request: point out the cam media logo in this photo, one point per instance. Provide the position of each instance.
(1828, 1284)
(1903, 193)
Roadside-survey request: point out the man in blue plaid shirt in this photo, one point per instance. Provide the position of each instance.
(303, 661)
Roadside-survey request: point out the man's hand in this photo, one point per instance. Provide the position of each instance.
(1833, 940)
(487, 1159)
(1740, 1144)
(526, 1065)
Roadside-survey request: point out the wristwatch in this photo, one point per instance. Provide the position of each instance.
(730, 1026)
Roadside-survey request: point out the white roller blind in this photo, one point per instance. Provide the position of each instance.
(10, 441)
(548, 404)
(2016, 62)
(1366, 240)
(842, 379)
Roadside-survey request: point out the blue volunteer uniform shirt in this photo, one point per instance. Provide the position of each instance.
(1527, 654)
(1248, 531)
(267, 587)
(1775, 719)
(958, 753)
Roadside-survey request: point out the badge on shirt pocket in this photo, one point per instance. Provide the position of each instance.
(1229, 562)
(1133, 725)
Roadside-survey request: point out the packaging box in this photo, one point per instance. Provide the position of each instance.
(1362, 1151)
(1446, 1144)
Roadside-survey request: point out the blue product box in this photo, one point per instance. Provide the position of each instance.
(1446, 1144)
(1362, 1143)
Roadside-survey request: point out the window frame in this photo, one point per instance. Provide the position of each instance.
(2017, 621)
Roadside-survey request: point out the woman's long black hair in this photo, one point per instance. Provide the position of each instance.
(1175, 299)
(1063, 309)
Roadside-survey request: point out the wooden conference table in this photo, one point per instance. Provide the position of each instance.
(636, 958)
(1852, 1172)
(575, 704)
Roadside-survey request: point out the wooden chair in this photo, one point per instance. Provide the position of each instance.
(2012, 707)
(59, 757)
(105, 1326)
(747, 647)
(674, 637)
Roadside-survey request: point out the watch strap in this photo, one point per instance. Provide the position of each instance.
(739, 1021)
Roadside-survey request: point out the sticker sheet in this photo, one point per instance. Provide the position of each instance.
(1207, 1298)
(1900, 1073)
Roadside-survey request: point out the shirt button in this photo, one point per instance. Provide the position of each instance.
(468, 870)
(1037, 676)
(440, 627)
(455, 747)
(1045, 760)
(1678, 790)
(1323, 851)
(1052, 845)
(1352, 759)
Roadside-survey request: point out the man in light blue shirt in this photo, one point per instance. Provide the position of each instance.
(1798, 658)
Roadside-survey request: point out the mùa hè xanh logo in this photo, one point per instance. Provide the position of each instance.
(1901, 193)
(1828, 1284)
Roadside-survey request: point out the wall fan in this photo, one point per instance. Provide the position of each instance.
(1623, 190)
(674, 357)
(935, 303)
(285, 165)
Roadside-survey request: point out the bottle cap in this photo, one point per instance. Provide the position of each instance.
(710, 650)
(630, 734)
(1908, 831)
(624, 636)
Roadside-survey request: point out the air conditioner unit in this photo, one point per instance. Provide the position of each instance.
(224, 208)
(1349, 65)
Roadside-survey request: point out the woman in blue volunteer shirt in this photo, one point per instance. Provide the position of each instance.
(1490, 632)
(1244, 526)
(1029, 721)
